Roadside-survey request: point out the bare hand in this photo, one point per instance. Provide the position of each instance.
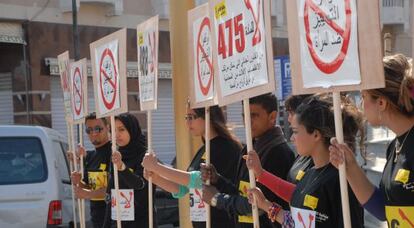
(340, 153)
(253, 163)
(208, 172)
(208, 192)
(75, 177)
(149, 174)
(117, 159)
(81, 151)
(261, 200)
(69, 155)
(81, 193)
(150, 161)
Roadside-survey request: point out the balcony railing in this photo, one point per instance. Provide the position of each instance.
(116, 7)
(395, 12)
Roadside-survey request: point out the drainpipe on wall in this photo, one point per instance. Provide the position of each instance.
(26, 71)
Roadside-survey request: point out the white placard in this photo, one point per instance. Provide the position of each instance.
(203, 62)
(147, 40)
(198, 212)
(241, 45)
(303, 218)
(328, 43)
(63, 62)
(78, 90)
(127, 204)
(107, 77)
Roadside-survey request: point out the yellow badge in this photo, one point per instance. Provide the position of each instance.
(97, 180)
(102, 166)
(400, 216)
(220, 9)
(140, 39)
(300, 175)
(310, 201)
(402, 176)
(243, 187)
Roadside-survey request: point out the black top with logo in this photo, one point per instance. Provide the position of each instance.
(96, 175)
(319, 194)
(397, 181)
(301, 165)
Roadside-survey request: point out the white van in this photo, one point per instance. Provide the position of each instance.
(35, 188)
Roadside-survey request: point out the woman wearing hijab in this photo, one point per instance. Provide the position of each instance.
(133, 188)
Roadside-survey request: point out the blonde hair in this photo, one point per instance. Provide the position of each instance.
(399, 84)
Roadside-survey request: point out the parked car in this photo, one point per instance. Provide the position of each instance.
(35, 189)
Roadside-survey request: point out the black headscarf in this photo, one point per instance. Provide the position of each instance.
(136, 148)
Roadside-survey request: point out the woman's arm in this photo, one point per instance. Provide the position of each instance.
(163, 183)
(277, 185)
(265, 204)
(361, 186)
(175, 175)
(280, 187)
(370, 197)
(177, 190)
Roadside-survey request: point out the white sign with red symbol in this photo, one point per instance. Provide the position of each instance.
(147, 42)
(127, 205)
(107, 76)
(303, 218)
(241, 45)
(63, 62)
(78, 90)
(197, 206)
(328, 43)
(203, 62)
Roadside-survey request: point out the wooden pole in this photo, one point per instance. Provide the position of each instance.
(207, 141)
(150, 150)
(179, 59)
(75, 167)
(249, 141)
(116, 181)
(339, 134)
(71, 167)
(80, 135)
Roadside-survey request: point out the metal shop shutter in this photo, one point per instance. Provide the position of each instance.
(6, 99)
(163, 123)
(235, 120)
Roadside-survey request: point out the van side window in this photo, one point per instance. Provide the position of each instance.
(61, 162)
(22, 160)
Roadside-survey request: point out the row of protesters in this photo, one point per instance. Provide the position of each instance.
(314, 188)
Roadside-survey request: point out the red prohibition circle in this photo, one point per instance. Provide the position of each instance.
(77, 91)
(330, 67)
(204, 89)
(102, 74)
